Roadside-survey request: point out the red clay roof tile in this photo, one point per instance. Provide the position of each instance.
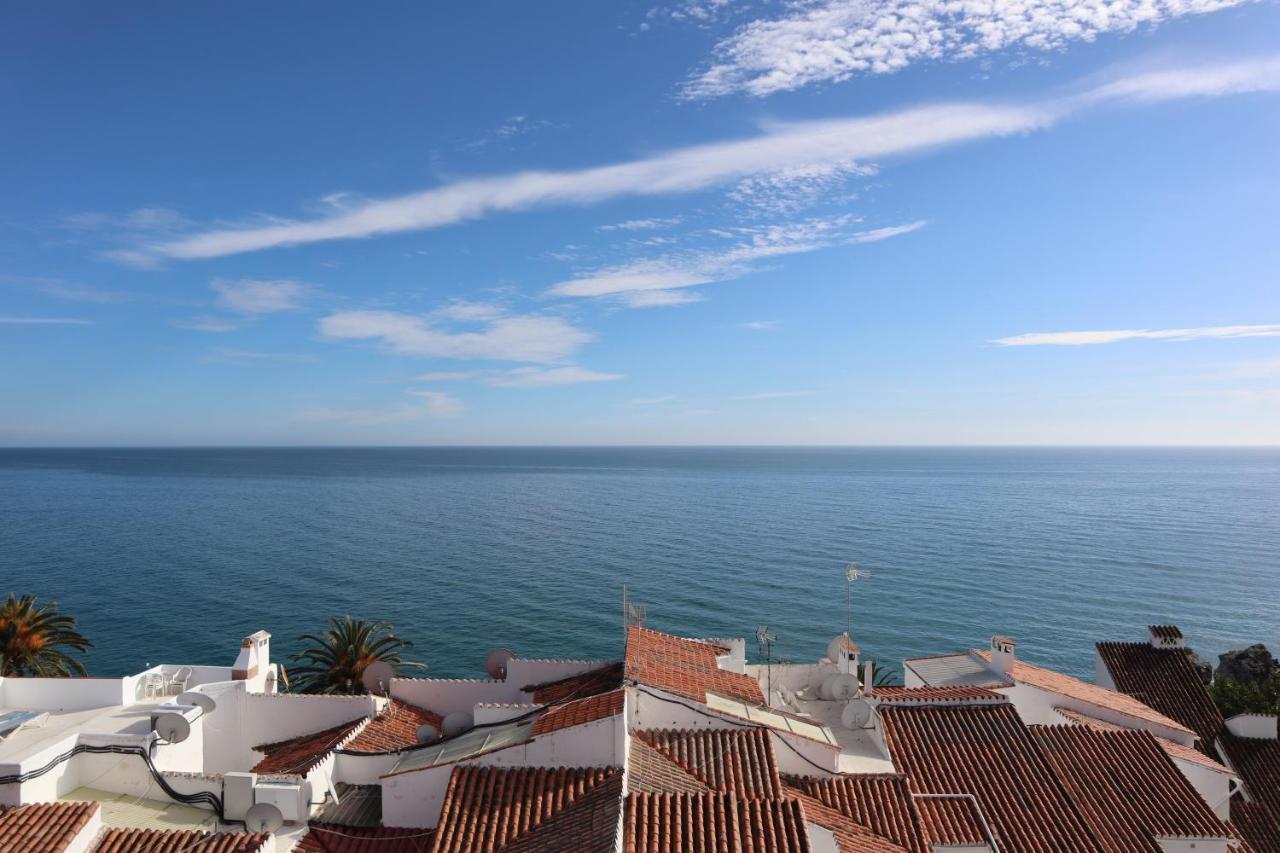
(1056, 682)
(296, 756)
(395, 727)
(336, 838)
(1173, 748)
(590, 683)
(736, 761)
(487, 809)
(939, 695)
(651, 771)
(1257, 761)
(579, 711)
(712, 823)
(985, 750)
(881, 802)
(1255, 825)
(178, 841)
(43, 827)
(684, 667)
(1127, 789)
(951, 820)
(851, 836)
(1165, 680)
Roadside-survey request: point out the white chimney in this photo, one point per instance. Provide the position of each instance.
(868, 676)
(1165, 637)
(1002, 654)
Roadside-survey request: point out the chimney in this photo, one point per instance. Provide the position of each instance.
(1002, 654)
(1165, 637)
(254, 657)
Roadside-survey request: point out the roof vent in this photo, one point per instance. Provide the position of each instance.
(1165, 637)
(1002, 654)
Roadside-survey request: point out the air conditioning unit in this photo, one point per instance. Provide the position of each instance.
(289, 798)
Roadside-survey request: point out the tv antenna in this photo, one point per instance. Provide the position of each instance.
(851, 573)
(633, 614)
(764, 649)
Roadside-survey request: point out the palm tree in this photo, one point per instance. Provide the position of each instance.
(336, 659)
(34, 639)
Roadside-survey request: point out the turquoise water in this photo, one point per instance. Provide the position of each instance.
(174, 555)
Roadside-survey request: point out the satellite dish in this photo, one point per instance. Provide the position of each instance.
(457, 723)
(819, 674)
(174, 728)
(203, 701)
(856, 714)
(496, 663)
(839, 687)
(428, 733)
(263, 817)
(377, 678)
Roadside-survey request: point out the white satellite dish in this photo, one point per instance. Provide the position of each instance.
(856, 714)
(839, 687)
(496, 663)
(457, 723)
(428, 733)
(377, 678)
(820, 673)
(203, 701)
(263, 817)
(173, 727)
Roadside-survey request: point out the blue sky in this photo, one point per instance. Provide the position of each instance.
(710, 222)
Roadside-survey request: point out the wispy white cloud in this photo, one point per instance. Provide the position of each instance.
(649, 401)
(43, 321)
(448, 375)
(496, 335)
(795, 187)
(659, 298)
(760, 325)
(805, 144)
(667, 274)
(439, 404)
(224, 355)
(875, 235)
(1115, 335)
(210, 324)
(543, 377)
(642, 224)
(435, 404)
(827, 41)
(253, 296)
(57, 288)
(143, 219)
(773, 395)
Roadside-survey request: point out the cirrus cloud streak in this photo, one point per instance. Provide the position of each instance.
(1112, 336)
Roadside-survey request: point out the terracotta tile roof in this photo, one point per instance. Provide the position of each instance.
(1056, 682)
(651, 771)
(1165, 632)
(395, 727)
(296, 756)
(178, 841)
(951, 820)
(684, 667)
(487, 809)
(1165, 680)
(985, 750)
(1173, 748)
(579, 711)
(851, 836)
(1127, 789)
(588, 825)
(942, 695)
(712, 823)
(880, 802)
(1257, 761)
(43, 827)
(736, 761)
(336, 838)
(1255, 825)
(589, 683)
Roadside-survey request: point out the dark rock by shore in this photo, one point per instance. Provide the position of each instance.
(1246, 665)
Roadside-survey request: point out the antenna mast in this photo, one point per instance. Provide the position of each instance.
(851, 574)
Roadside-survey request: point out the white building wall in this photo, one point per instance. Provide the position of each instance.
(444, 696)
(522, 672)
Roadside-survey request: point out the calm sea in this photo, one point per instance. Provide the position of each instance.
(174, 555)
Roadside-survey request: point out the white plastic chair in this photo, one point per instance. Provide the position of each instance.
(178, 681)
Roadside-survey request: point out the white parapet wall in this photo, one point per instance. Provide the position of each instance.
(1260, 726)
